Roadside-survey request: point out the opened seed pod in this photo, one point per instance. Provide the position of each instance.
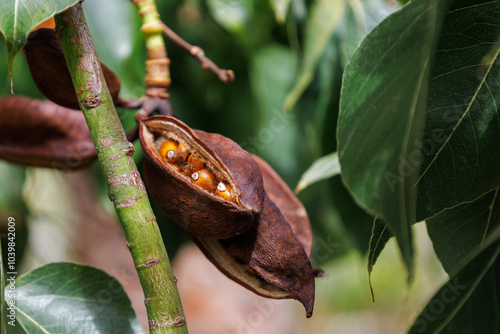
(205, 182)
(50, 72)
(272, 258)
(43, 134)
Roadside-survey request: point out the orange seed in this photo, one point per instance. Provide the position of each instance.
(194, 164)
(168, 150)
(205, 179)
(223, 191)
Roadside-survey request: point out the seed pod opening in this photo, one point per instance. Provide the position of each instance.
(272, 258)
(190, 199)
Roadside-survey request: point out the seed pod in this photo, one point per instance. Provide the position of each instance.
(196, 207)
(292, 209)
(43, 134)
(50, 72)
(268, 259)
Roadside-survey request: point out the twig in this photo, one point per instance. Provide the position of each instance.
(125, 186)
(157, 65)
(226, 76)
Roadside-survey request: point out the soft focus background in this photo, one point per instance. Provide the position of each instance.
(281, 51)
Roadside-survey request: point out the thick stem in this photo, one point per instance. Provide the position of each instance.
(126, 189)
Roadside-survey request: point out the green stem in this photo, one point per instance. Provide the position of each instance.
(126, 189)
(157, 65)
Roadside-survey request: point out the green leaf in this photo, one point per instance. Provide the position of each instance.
(71, 298)
(325, 17)
(321, 169)
(280, 8)
(231, 14)
(380, 236)
(382, 115)
(461, 144)
(354, 219)
(457, 232)
(360, 17)
(18, 17)
(470, 301)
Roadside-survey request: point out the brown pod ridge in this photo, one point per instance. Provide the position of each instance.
(50, 72)
(176, 186)
(272, 259)
(43, 134)
(291, 208)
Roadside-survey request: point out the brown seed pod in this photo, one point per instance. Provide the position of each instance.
(50, 72)
(195, 207)
(268, 259)
(43, 134)
(289, 205)
(272, 258)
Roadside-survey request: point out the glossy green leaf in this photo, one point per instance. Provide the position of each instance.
(360, 17)
(457, 232)
(470, 301)
(461, 144)
(72, 298)
(324, 18)
(280, 8)
(382, 115)
(381, 234)
(321, 169)
(18, 17)
(356, 221)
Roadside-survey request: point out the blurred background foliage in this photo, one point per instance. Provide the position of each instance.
(286, 54)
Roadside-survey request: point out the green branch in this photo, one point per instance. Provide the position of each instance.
(126, 189)
(157, 65)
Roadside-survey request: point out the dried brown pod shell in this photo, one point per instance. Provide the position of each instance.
(43, 134)
(50, 72)
(272, 258)
(292, 209)
(193, 207)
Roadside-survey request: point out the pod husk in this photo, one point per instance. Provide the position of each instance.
(198, 211)
(43, 134)
(292, 209)
(50, 73)
(275, 249)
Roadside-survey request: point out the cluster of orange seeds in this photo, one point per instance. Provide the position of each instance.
(193, 167)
